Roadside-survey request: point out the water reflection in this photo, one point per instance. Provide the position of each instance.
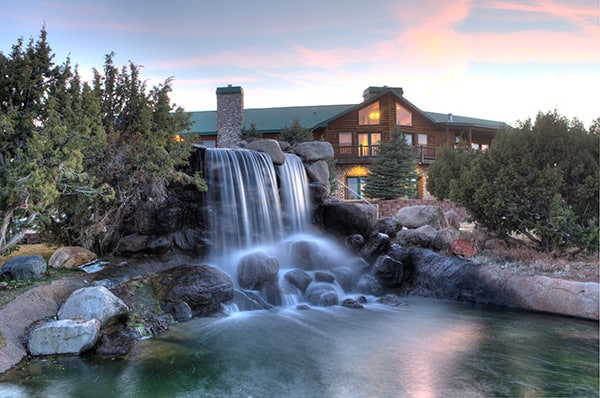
(424, 348)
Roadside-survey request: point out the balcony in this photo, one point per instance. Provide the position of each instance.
(365, 153)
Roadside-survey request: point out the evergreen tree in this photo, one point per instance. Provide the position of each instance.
(251, 134)
(295, 133)
(540, 180)
(449, 165)
(393, 173)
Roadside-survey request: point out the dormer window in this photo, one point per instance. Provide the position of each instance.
(369, 114)
(403, 117)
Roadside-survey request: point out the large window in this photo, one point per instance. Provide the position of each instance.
(368, 144)
(345, 143)
(369, 114)
(408, 137)
(403, 117)
(422, 139)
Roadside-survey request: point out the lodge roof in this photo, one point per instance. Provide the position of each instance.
(313, 116)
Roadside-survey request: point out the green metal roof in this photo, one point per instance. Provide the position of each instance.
(275, 119)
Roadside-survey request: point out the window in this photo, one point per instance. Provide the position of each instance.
(368, 144)
(408, 138)
(353, 188)
(345, 143)
(369, 114)
(209, 143)
(403, 117)
(422, 139)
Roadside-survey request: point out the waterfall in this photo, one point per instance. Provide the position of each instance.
(245, 207)
(295, 197)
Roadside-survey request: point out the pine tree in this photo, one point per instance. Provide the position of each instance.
(295, 133)
(393, 173)
(251, 134)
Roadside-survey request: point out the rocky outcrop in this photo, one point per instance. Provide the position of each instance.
(342, 219)
(24, 268)
(70, 257)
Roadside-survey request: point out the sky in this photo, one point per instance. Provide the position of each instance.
(502, 60)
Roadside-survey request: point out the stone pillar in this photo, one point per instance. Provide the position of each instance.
(230, 115)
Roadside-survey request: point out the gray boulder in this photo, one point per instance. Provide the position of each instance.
(65, 336)
(387, 225)
(422, 236)
(143, 244)
(256, 269)
(390, 272)
(313, 151)
(322, 294)
(24, 268)
(377, 244)
(345, 218)
(270, 147)
(298, 278)
(318, 173)
(453, 219)
(444, 237)
(368, 284)
(416, 216)
(202, 287)
(95, 302)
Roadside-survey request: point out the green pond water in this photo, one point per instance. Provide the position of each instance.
(421, 348)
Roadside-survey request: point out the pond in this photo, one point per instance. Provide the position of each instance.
(418, 348)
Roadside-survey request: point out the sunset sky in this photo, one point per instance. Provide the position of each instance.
(495, 59)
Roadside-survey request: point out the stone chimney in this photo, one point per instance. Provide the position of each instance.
(373, 91)
(230, 115)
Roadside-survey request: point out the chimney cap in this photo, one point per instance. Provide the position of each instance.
(230, 90)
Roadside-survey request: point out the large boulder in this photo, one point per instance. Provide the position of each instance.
(318, 173)
(270, 147)
(444, 237)
(24, 268)
(66, 336)
(256, 269)
(389, 271)
(342, 219)
(143, 244)
(71, 257)
(422, 236)
(96, 302)
(377, 244)
(202, 287)
(369, 284)
(413, 217)
(298, 278)
(322, 294)
(313, 151)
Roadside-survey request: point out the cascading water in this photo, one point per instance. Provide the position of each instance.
(295, 199)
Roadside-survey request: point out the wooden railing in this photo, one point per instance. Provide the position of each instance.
(365, 153)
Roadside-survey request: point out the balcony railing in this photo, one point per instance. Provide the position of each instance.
(365, 153)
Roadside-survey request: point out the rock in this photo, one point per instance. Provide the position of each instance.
(342, 219)
(70, 257)
(324, 276)
(387, 225)
(422, 236)
(190, 240)
(354, 242)
(307, 255)
(322, 294)
(65, 336)
(399, 253)
(256, 269)
(116, 339)
(270, 147)
(318, 173)
(298, 278)
(444, 237)
(318, 192)
(313, 151)
(390, 272)
(463, 248)
(368, 284)
(377, 244)
(95, 302)
(413, 217)
(181, 311)
(202, 287)
(24, 268)
(246, 300)
(453, 219)
(351, 303)
(143, 244)
(345, 276)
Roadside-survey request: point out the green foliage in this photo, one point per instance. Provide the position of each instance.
(295, 133)
(251, 134)
(393, 173)
(450, 164)
(541, 180)
(76, 159)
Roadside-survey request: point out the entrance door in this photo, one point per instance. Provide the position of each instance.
(353, 188)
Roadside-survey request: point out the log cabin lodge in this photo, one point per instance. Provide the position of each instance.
(354, 130)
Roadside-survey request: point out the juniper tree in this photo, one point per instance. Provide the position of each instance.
(295, 133)
(393, 172)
